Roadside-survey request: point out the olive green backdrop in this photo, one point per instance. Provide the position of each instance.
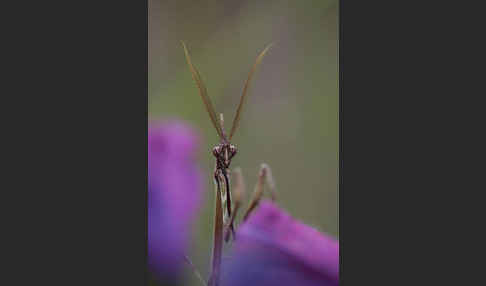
(290, 120)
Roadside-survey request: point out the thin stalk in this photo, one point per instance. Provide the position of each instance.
(194, 269)
(218, 235)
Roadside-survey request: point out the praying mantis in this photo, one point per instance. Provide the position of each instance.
(224, 151)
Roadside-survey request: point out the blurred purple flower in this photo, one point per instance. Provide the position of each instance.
(272, 248)
(174, 195)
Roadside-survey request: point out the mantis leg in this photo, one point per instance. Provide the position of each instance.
(265, 175)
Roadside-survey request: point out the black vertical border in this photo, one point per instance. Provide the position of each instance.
(78, 76)
(386, 66)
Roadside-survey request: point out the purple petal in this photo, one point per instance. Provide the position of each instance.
(174, 194)
(272, 248)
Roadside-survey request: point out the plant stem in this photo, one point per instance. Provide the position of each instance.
(194, 269)
(218, 235)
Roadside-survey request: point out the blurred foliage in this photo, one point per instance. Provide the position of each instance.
(290, 120)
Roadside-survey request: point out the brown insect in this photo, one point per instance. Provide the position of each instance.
(224, 152)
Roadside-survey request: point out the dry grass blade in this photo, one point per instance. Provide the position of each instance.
(236, 120)
(203, 93)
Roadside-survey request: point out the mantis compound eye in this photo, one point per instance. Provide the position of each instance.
(216, 151)
(232, 149)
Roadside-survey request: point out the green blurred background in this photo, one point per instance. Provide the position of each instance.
(290, 120)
